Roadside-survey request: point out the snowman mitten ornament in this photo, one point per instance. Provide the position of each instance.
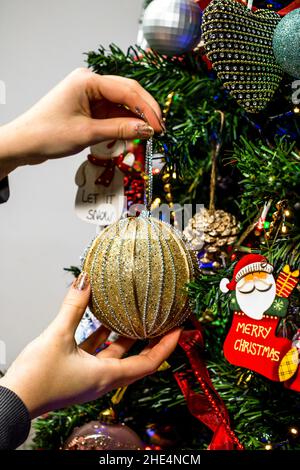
(100, 194)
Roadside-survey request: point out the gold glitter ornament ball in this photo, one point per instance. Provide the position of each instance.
(139, 268)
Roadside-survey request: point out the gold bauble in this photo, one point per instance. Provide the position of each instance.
(212, 230)
(139, 268)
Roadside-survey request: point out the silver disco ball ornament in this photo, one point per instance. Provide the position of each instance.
(172, 27)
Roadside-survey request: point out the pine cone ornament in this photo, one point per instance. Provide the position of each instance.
(211, 232)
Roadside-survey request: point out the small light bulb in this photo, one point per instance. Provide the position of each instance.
(296, 109)
(287, 212)
(174, 176)
(156, 203)
(268, 447)
(284, 229)
(294, 431)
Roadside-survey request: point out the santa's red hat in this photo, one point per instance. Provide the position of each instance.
(248, 264)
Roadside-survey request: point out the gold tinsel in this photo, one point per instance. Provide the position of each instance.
(139, 268)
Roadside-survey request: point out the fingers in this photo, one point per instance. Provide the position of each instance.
(135, 367)
(151, 101)
(119, 128)
(74, 305)
(128, 92)
(103, 110)
(117, 349)
(95, 340)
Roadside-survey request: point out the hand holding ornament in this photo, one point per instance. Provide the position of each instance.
(54, 372)
(82, 110)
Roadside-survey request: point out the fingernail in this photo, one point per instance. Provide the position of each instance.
(144, 131)
(140, 113)
(82, 282)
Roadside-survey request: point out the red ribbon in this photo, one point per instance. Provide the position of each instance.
(292, 6)
(207, 407)
(284, 11)
(203, 3)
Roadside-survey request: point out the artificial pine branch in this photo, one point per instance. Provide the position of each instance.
(255, 165)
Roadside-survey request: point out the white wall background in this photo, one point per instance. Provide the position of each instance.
(41, 41)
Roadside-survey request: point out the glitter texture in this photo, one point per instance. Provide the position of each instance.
(99, 436)
(239, 44)
(286, 43)
(139, 268)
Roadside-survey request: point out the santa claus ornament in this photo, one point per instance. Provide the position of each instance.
(259, 303)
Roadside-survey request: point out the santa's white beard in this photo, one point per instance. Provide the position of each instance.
(255, 304)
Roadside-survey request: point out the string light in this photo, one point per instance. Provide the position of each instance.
(278, 220)
(156, 203)
(296, 110)
(293, 434)
(287, 213)
(294, 431)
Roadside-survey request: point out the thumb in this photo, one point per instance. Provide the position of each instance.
(124, 128)
(74, 304)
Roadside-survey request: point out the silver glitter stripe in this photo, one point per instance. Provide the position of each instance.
(188, 249)
(144, 316)
(174, 283)
(182, 240)
(98, 308)
(93, 282)
(104, 286)
(162, 278)
(120, 286)
(149, 174)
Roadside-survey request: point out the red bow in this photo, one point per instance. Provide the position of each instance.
(110, 165)
(207, 407)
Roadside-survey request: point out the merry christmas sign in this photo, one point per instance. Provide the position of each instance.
(259, 302)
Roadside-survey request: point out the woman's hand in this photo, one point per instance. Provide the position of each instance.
(82, 110)
(53, 372)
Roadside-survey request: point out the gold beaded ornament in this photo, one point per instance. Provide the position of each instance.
(238, 42)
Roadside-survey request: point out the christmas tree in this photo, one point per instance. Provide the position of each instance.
(232, 144)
